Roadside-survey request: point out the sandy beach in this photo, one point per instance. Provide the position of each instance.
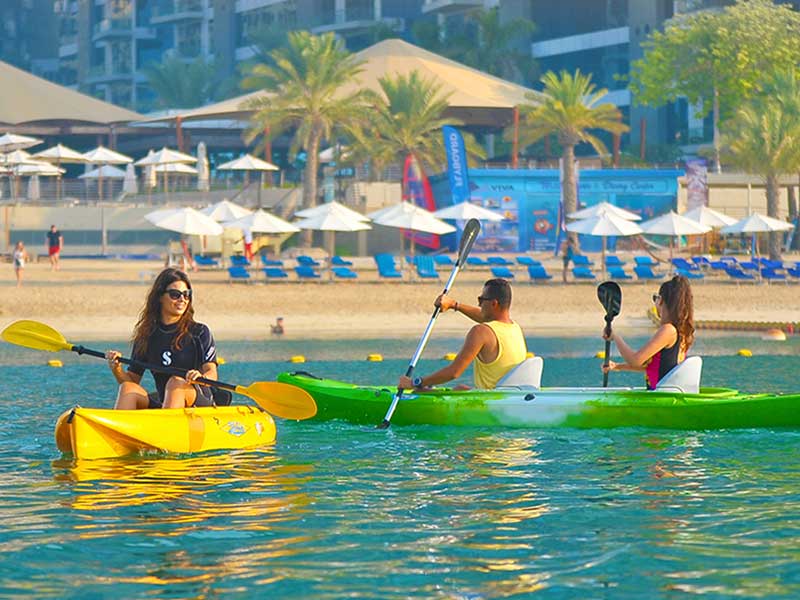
(100, 300)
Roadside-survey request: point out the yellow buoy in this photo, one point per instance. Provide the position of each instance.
(374, 358)
(220, 360)
(449, 356)
(529, 355)
(297, 358)
(775, 335)
(744, 352)
(54, 362)
(600, 354)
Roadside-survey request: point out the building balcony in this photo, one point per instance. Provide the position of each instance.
(109, 28)
(449, 7)
(101, 74)
(350, 20)
(171, 11)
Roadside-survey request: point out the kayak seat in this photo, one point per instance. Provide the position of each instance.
(528, 373)
(684, 377)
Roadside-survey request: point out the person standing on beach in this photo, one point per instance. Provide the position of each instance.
(669, 345)
(495, 345)
(54, 242)
(569, 253)
(167, 334)
(277, 328)
(19, 257)
(247, 238)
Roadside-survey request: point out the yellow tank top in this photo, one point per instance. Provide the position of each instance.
(511, 351)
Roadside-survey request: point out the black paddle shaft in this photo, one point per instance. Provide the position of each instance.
(159, 368)
(610, 296)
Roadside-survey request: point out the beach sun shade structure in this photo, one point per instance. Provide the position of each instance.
(163, 157)
(104, 172)
(60, 154)
(249, 163)
(307, 213)
(34, 191)
(105, 156)
(597, 209)
(330, 218)
(225, 210)
(605, 224)
(12, 141)
(756, 223)
(260, 221)
(175, 169)
(710, 217)
(464, 211)
(203, 183)
(412, 218)
(673, 225)
(42, 169)
(186, 221)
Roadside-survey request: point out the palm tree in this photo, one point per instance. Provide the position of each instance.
(181, 84)
(306, 93)
(408, 119)
(570, 107)
(764, 138)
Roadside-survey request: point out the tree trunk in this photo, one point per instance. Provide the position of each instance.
(773, 192)
(568, 188)
(310, 182)
(717, 143)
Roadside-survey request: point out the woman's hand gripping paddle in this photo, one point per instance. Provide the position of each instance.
(471, 231)
(280, 399)
(610, 296)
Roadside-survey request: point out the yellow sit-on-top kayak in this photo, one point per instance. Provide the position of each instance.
(104, 433)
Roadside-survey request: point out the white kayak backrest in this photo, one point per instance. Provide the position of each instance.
(528, 373)
(684, 377)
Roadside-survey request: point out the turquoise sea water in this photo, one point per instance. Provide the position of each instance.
(333, 510)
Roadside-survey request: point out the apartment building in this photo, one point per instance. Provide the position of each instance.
(28, 35)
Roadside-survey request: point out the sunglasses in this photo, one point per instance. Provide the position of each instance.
(656, 298)
(483, 298)
(177, 294)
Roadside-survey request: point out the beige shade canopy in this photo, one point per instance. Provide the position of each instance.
(60, 154)
(105, 156)
(30, 99)
(165, 156)
(248, 162)
(474, 95)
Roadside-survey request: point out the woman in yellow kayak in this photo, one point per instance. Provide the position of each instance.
(167, 334)
(669, 345)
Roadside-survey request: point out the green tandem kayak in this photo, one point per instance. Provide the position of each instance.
(711, 408)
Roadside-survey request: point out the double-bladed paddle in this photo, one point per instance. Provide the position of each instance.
(471, 230)
(610, 296)
(280, 399)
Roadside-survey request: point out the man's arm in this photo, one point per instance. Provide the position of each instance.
(60, 241)
(473, 344)
(447, 303)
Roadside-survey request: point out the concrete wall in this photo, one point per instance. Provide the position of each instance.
(728, 193)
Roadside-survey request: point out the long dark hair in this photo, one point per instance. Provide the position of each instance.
(676, 294)
(150, 316)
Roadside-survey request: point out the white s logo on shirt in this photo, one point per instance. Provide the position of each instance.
(166, 358)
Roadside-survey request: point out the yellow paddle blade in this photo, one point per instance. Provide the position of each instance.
(281, 399)
(33, 334)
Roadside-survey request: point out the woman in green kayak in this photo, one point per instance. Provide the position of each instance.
(670, 343)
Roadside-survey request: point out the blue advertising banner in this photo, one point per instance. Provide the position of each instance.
(456, 164)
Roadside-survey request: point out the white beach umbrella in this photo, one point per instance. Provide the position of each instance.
(673, 225)
(38, 168)
(104, 172)
(129, 185)
(248, 163)
(260, 221)
(593, 211)
(331, 220)
(203, 184)
(463, 211)
(175, 168)
(105, 156)
(60, 154)
(165, 156)
(16, 157)
(757, 223)
(225, 210)
(13, 141)
(150, 180)
(413, 218)
(328, 206)
(34, 191)
(605, 224)
(709, 216)
(329, 154)
(187, 221)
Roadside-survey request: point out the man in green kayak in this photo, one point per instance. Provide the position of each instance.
(495, 345)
